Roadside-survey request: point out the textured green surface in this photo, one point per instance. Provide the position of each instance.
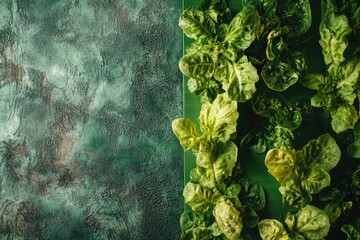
(88, 90)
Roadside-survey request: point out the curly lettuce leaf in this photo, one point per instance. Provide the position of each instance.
(271, 229)
(321, 153)
(221, 161)
(191, 219)
(213, 49)
(226, 157)
(197, 25)
(351, 232)
(218, 120)
(315, 181)
(252, 194)
(281, 163)
(354, 148)
(243, 28)
(325, 100)
(266, 8)
(207, 90)
(228, 218)
(217, 9)
(317, 81)
(238, 78)
(194, 225)
(293, 195)
(343, 118)
(281, 117)
(241, 86)
(279, 137)
(279, 75)
(295, 17)
(284, 71)
(186, 132)
(348, 80)
(275, 45)
(334, 30)
(197, 65)
(198, 197)
(310, 222)
(197, 233)
(338, 93)
(214, 164)
(303, 172)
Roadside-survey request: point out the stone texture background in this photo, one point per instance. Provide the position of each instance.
(88, 90)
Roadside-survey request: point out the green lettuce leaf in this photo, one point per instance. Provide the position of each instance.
(243, 28)
(351, 232)
(311, 222)
(343, 118)
(217, 9)
(197, 65)
(325, 100)
(194, 225)
(295, 17)
(293, 194)
(321, 153)
(197, 197)
(238, 78)
(334, 30)
(275, 45)
(228, 219)
(308, 223)
(252, 194)
(271, 229)
(340, 93)
(303, 172)
(354, 148)
(315, 181)
(197, 25)
(218, 120)
(186, 132)
(281, 163)
(226, 157)
(221, 161)
(317, 81)
(191, 219)
(347, 76)
(205, 176)
(284, 71)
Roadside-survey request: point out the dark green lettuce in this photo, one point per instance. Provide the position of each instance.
(354, 148)
(284, 70)
(351, 232)
(280, 118)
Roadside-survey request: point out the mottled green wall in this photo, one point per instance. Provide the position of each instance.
(88, 90)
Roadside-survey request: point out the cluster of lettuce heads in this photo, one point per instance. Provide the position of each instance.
(255, 56)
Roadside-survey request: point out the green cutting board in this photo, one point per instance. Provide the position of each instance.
(253, 164)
